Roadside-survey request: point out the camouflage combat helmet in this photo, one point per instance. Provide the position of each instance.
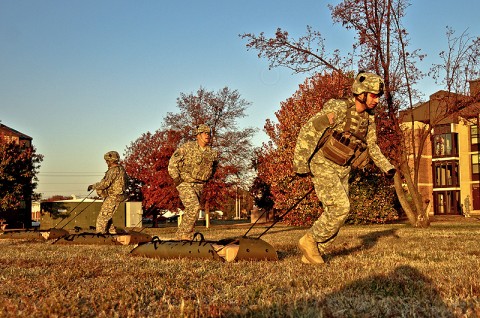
(367, 83)
(111, 156)
(202, 128)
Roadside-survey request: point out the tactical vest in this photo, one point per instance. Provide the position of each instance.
(118, 184)
(195, 165)
(343, 145)
(348, 146)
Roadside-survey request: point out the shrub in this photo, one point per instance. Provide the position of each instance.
(372, 198)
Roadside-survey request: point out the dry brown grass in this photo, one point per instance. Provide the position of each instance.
(372, 271)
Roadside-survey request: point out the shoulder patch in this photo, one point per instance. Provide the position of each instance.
(331, 118)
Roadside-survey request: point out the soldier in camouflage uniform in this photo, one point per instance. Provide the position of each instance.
(191, 166)
(112, 188)
(341, 136)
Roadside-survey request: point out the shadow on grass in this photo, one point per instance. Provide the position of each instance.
(405, 292)
(368, 241)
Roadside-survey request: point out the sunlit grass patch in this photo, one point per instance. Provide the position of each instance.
(371, 271)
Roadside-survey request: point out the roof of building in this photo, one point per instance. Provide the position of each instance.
(441, 108)
(14, 132)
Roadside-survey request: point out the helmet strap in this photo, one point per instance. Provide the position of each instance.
(112, 164)
(362, 99)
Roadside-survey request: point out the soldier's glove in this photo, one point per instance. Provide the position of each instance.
(303, 175)
(90, 187)
(177, 181)
(391, 173)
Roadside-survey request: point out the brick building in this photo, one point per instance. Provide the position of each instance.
(449, 172)
(10, 134)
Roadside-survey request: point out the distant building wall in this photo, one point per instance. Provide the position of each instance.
(83, 215)
(36, 211)
(10, 134)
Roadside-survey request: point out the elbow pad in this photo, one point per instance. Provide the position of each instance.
(323, 122)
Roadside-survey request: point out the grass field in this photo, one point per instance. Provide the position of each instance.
(371, 271)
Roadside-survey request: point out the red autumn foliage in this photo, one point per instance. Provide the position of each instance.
(275, 157)
(147, 158)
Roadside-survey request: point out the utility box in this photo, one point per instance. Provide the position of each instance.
(82, 216)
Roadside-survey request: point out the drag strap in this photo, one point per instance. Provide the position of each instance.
(283, 215)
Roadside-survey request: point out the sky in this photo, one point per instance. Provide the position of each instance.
(83, 77)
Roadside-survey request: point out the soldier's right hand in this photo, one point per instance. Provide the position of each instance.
(302, 175)
(391, 173)
(90, 187)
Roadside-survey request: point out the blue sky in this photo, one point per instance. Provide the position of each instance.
(84, 77)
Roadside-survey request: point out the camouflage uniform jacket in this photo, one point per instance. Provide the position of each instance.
(114, 183)
(192, 163)
(334, 115)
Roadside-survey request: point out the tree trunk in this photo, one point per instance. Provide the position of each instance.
(402, 198)
(414, 207)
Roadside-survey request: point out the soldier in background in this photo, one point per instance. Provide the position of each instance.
(341, 136)
(113, 189)
(191, 166)
(466, 207)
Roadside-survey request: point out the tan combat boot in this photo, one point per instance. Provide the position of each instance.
(305, 260)
(309, 248)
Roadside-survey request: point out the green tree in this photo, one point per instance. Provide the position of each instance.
(372, 197)
(18, 179)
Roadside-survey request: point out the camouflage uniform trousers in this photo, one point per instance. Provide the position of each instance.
(104, 219)
(331, 186)
(190, 194)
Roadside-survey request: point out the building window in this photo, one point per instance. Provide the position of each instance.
(476, 196)
(474, 137)
(476, 167)
(446, 174)
(447, 202)
(445, 145)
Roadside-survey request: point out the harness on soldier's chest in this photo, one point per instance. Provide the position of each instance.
(347, 146)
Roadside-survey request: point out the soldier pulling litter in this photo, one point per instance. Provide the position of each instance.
(113, 189)
(341, 136)
(191, 166)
